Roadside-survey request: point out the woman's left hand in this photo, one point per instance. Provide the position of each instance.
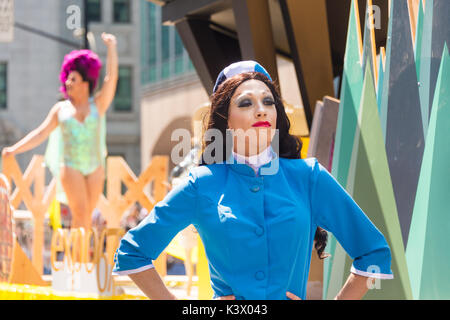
(292, 296)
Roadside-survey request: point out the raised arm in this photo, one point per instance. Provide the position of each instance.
(37, 136)
(106, 94)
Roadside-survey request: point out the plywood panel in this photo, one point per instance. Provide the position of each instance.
(323, 132)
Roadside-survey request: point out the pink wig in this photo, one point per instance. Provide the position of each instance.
(86, 62)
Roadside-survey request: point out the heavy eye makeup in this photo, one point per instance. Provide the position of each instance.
(247, 102)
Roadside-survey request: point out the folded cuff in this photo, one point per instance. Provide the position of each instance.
(371, 275)
(127, 272)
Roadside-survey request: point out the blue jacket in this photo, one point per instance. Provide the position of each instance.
(258, 230)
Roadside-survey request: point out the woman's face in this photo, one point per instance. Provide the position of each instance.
(75, 85)
(252, 116)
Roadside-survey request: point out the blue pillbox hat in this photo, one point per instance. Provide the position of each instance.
(238, 68)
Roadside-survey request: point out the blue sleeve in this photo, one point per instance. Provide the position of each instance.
(144, 243)
(334, 210)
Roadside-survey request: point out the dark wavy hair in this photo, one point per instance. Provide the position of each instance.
(289, 146)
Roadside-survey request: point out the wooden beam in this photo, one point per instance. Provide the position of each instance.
(209, 50)
(255, 34)
(6, 230)
(310, 51)
(174, 11)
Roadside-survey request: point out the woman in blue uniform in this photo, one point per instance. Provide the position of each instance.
(256, 205)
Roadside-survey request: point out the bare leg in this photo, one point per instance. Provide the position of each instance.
(94, 184)
(74, 185)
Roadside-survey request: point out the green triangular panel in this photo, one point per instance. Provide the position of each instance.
(339, 272)
(350, 98)
(400, 107)
(328, 263)
(370, 185)
(386, 77)
(380, 82)
(347, 117)
(418, 42)
(441, 35)
(427, 252)
(368, 49)
(436, 32)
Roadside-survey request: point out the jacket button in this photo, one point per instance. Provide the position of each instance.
(259, 275)
(259, 231)
(254, 188)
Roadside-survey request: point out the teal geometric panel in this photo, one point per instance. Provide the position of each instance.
(369, 47)
(401, 114)
(350, 97)
(369, 183)
(436, 32)
(428, 253)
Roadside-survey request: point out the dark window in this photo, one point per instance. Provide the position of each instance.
(178, 45)
(179, 50)
(94, 11)
(152, 33)
(165, 54)
(122, 11)
(124, 93)
(165, 42)
(3, 85)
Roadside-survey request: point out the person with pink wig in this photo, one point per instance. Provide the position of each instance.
(76, 129)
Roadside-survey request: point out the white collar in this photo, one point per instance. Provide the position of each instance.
(257, 160)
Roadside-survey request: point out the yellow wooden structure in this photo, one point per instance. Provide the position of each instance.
(38, 202)
(115, 204)
(15, 267)
(147, 189)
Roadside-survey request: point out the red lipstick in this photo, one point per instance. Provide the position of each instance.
(261, 124)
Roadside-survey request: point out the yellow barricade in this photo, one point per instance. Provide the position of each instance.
(10, 291)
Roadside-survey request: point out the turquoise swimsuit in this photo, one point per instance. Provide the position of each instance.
(81, 140)
(75, 144)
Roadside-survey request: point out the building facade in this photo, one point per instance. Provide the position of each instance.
(171, 88)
